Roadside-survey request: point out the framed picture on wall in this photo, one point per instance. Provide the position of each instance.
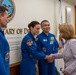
(67, 14)
(10, 5)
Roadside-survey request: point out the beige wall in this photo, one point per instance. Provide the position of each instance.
(29, 10)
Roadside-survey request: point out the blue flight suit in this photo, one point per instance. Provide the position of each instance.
(4, 55)
(30, 55)
(48, 44)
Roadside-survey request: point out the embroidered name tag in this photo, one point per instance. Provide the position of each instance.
(44, 40)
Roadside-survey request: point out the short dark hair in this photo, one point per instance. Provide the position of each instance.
(33, 24)
(44, 21)
(3, 9)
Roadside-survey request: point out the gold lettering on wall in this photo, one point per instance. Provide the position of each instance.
(26, 30)
(16, 31)
(9, 31)
(19, 31)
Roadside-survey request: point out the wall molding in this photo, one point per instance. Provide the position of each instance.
(15, 69)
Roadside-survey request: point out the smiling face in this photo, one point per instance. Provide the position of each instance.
(45, 27)
(36, 29)
(4, 19)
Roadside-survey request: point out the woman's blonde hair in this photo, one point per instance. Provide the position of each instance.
(67, 30)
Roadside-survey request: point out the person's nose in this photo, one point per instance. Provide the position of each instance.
(7, 20)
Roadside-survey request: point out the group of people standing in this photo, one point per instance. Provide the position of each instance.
(39, 50)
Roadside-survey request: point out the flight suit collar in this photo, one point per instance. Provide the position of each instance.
(45, 34)
(31, 35)
(1, 31)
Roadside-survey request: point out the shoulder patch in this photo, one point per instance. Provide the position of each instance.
(29, 42)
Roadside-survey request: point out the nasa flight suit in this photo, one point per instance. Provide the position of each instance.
(48, 44)
(30, 55)
(4, 55)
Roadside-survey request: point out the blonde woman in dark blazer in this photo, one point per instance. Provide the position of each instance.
(69, 53)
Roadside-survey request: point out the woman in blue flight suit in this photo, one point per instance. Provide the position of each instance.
(30, 50)
(47, 44)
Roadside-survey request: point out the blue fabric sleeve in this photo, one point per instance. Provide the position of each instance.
(34, 51)
(2, 67)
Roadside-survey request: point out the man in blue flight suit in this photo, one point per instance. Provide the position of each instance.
(48, 44)
(4, 46)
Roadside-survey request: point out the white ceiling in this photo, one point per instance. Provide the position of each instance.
(73, 2)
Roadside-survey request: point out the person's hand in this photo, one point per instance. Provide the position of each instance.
(37, 69)
(50, 58)
(64, 72)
